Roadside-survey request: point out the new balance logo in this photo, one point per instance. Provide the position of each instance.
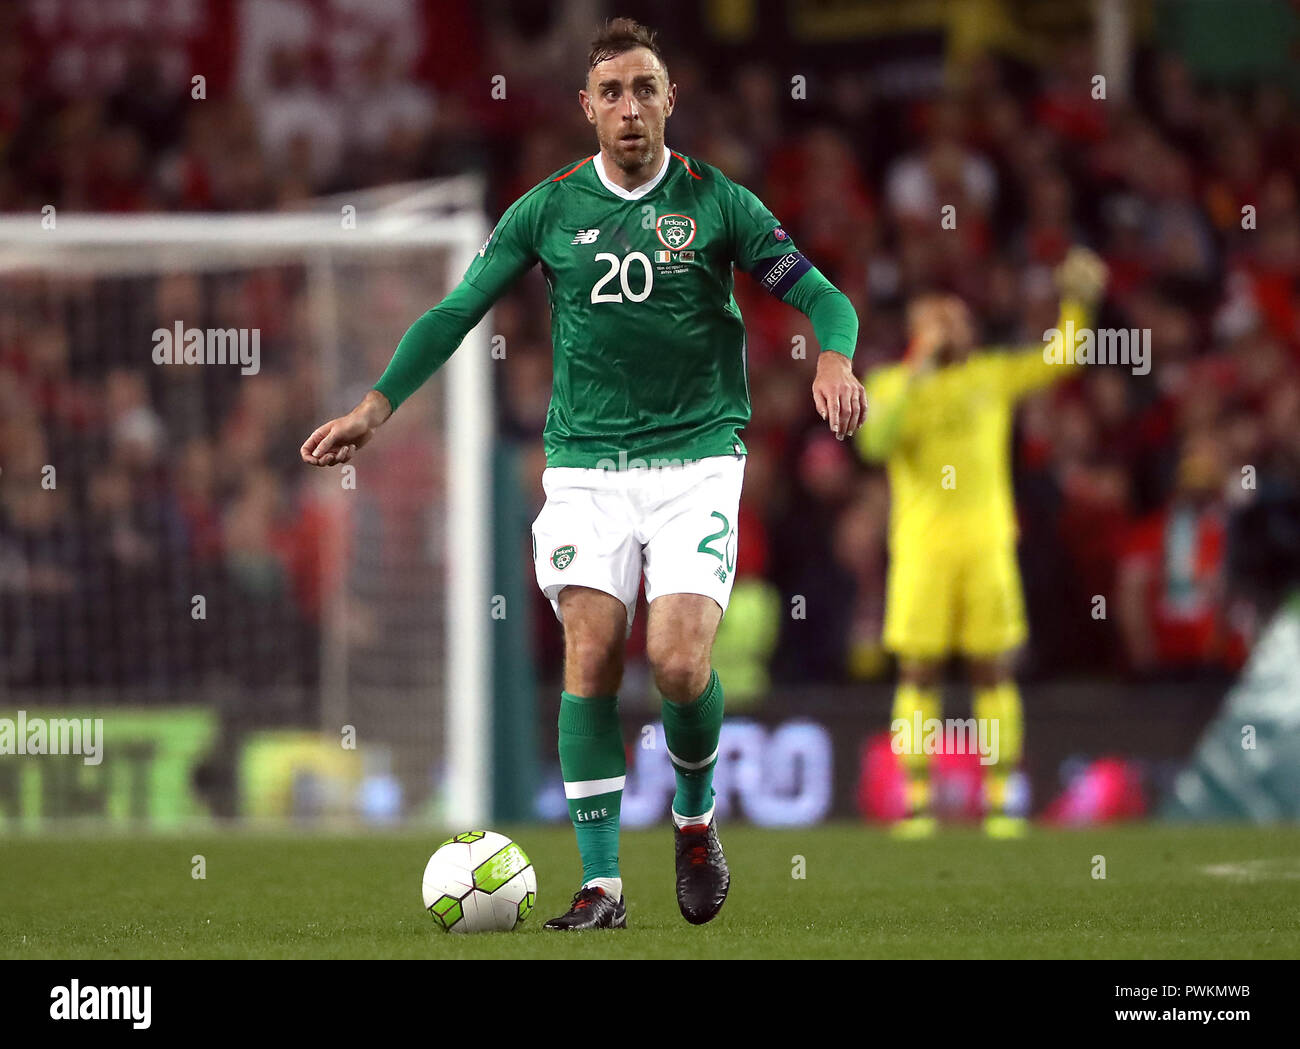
(586, 236)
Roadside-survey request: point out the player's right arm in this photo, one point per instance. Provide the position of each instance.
(434, 337)
(1081, 279)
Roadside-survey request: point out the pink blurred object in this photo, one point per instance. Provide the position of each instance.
(958, 787)
(957, 782)
(881, 785)
(1107, 791)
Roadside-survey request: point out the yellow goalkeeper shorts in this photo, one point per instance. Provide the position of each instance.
(965, 599)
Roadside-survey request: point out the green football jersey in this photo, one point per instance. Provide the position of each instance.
(648, 342)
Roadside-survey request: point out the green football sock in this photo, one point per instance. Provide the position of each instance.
(594, 766)
(691, 732)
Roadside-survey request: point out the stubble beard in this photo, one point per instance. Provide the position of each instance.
(634, 163)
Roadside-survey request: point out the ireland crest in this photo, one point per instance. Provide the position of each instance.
(562, 556)
(675, 231)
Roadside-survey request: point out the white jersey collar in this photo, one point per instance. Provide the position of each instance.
(640, 191)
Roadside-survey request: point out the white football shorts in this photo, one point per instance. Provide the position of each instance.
(604, 529)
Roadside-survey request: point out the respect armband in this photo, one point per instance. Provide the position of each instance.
(780, 273)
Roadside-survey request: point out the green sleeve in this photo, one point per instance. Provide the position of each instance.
(431, 340)
(887, 390)
(756, 236)
(834, 320)
(763, 249)
(434, 337)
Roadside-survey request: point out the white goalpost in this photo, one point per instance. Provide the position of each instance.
(398, 615)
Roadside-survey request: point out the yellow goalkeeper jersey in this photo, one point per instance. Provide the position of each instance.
(945, 437)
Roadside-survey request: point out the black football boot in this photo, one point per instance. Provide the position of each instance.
(592, 908)
(702, 875)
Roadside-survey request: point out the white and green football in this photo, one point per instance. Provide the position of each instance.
(479, 881)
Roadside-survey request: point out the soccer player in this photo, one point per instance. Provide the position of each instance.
(941, 422)
(642, 439)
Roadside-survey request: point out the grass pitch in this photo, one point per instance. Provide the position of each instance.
(1169, 892)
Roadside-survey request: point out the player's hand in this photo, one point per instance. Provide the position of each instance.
(839, 397)
(337, 441)
(1082, 275)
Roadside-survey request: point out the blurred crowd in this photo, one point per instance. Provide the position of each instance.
(1126, 484)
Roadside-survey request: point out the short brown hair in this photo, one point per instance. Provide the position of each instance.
(619, 35)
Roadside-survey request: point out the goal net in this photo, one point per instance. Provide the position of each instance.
(165, 554)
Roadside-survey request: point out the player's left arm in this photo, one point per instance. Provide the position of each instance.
(839, 397)
(1081, 281)
(765, 251)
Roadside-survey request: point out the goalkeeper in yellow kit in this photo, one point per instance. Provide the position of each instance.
(941, 422)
